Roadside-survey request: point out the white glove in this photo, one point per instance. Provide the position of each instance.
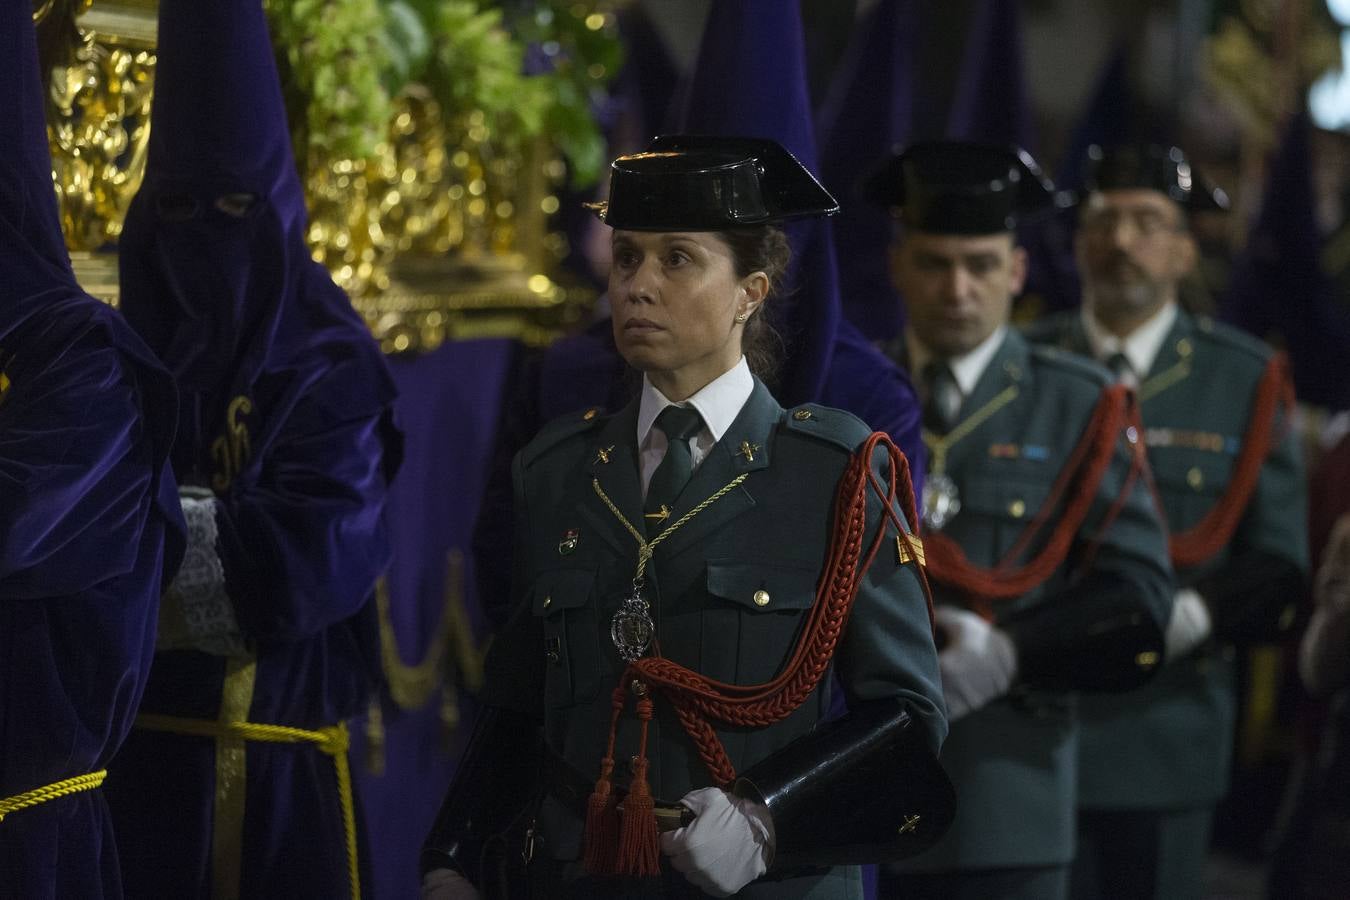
(447, 884)
(728, 845)
(1189, 626)
(978, 663)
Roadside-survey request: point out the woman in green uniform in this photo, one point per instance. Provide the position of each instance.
(698, 575)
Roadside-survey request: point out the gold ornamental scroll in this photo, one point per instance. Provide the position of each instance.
(439, 236)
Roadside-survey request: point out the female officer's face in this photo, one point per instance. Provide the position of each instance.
(675, 297)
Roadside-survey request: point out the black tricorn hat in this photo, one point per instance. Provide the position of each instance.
(703, 183)
(961, 187)
(1153, 167)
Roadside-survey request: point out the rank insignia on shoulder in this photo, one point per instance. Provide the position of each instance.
(571, 537)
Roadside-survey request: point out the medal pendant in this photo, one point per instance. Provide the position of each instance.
(632, 627)
(941, 501)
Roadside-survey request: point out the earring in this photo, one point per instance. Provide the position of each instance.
(742, 317)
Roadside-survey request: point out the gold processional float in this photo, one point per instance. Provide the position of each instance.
(435, 218)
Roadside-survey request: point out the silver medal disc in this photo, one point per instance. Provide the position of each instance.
(941, 501)
(632, 628)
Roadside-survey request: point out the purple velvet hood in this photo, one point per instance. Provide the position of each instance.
(215, 272)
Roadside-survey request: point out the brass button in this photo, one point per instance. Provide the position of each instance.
(638, 687)
(1146, 659)
(548, 601)
(761, 598)
(1184, 348)
(1017, 509)
(1195, 478)
(802, 415)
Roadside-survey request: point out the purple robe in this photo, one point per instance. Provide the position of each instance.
(286, 426)
(89, 524)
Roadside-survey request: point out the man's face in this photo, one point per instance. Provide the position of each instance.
(958, 288)
(1133, 248)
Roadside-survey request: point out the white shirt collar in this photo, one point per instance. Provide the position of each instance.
(719, 402)
(967, 368)
(1140, 346)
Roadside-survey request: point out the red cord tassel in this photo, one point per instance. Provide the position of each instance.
(639, 839)
(601, 838)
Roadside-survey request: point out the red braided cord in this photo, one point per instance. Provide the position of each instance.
(1215, 529)
(1083, 471)
(698, 700)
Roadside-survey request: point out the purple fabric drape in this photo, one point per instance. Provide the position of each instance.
(867, 114)
(90, 529)
(1279, 290)
(991, 102)
(448, 404)
(750, 80)
(286, 416)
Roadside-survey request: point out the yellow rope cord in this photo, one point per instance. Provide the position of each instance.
(332, 740)
(939, 445)
(645, 547)
(51, 792)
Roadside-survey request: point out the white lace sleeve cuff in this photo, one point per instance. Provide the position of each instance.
(197, 613)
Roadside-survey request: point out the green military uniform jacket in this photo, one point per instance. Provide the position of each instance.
(729, 593)
(1169, 744)
(1014, 762)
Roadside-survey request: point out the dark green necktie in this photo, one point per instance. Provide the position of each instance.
(679, 423)
(1119, 364)
(942, 398)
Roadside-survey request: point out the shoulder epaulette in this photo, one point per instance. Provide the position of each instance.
(559, 430)
(1072, 363)
(1230, 338)
(828, 424)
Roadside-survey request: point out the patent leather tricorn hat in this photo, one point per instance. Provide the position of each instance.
(962, 187)
(1153, 167)
(705, 183)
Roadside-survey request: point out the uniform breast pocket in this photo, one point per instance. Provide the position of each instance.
(753, 617)
(995, 510)
(564, 599)
(1190, 482)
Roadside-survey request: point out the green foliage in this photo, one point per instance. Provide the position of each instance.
(336, 62)
(531, 66)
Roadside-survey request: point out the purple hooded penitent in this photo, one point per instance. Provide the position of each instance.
(89, 522)
(285, 420)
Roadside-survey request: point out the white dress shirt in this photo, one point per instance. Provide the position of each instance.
(719, 402)
(967, 368)
(1140, 346)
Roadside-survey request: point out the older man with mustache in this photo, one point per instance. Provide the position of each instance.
(1215, 403)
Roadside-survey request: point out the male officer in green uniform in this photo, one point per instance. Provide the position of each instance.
(1214, 405)
(1047, 551)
